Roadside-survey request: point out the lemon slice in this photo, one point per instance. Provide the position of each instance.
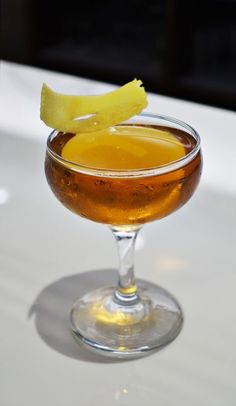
(67, 113)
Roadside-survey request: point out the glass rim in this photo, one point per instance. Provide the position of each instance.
(129, 173)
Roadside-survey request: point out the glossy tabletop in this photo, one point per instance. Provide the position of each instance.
(49, 257)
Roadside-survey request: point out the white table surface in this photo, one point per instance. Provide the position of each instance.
(48, 257)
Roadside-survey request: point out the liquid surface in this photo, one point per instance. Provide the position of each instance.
(125, 147)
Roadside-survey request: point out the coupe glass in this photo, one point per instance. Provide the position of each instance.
(126, 320)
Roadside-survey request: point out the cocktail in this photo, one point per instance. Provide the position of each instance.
(124, 176)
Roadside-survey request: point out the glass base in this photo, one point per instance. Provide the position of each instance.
(127, 330)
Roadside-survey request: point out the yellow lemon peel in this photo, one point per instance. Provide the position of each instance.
(68, 113)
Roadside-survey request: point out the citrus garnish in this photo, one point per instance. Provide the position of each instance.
(68, 113)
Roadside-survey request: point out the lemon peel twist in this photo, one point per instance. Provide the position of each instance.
(68, 113)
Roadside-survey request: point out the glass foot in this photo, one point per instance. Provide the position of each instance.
(127, 330)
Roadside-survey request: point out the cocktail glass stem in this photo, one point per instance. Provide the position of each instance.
(126, 292)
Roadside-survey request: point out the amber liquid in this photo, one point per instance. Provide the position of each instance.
(124, 200)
